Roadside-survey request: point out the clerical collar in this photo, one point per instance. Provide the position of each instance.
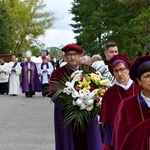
(130, 82)
(147, 100)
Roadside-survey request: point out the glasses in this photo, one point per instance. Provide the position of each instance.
(116, 71)
(70, 55)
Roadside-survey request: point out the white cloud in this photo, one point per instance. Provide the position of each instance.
(57, 37)
(61, 33)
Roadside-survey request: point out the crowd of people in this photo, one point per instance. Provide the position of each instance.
(125, 106)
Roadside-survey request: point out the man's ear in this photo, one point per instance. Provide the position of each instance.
(139, 82)
(81, 54)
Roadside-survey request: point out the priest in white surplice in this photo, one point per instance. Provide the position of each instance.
(4, 76)
(14, 71)
(45, 70)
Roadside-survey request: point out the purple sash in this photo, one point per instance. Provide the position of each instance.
(47, 66)
(15, 64)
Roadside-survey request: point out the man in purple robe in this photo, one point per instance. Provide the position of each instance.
(30, 78)
(136, 109)
(65, 138)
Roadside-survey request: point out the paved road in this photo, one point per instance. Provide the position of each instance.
(26, 123)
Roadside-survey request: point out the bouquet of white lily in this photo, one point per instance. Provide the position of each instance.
(81, 97)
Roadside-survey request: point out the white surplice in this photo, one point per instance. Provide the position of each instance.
(44, 75)
(14, 83)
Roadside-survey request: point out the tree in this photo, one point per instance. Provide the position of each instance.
(83, 11)
(28, 21)
(100, 21)
(54, 52)
(140, 24)
(4, 30)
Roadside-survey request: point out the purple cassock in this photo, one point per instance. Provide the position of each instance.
(65, 138)
(34, 78)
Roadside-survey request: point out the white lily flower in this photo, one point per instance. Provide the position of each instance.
(83, 106)
(67, 91)
(77, 78)
(92, 94)
(86, 93)
(70, 89)
(81, 94)
(89, 107)
(77, 72)
(75, 94)
(89, 101)
(79, 102)
(74, 103)
(67, 83)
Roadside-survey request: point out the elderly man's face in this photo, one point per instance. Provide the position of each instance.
(28, 59)
(73, 58)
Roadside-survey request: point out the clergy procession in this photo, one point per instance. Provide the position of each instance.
(99, 104)
(25, 75)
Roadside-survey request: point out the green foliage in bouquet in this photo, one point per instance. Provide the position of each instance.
(80, 118)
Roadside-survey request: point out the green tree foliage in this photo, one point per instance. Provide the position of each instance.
(54, 51)
(27, 22)
(4, 30)
(140, 24)
(100, 21)
(83, 11)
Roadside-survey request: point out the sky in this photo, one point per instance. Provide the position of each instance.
(61, 32)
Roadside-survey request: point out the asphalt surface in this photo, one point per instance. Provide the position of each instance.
(26, 123)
